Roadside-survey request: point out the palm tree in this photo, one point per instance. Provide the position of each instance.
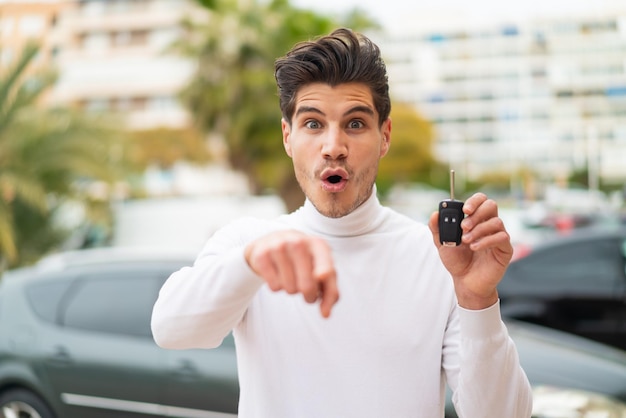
(46, 154)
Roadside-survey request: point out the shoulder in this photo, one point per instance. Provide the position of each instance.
(249, 227)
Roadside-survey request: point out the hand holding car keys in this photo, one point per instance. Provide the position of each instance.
(450, 217)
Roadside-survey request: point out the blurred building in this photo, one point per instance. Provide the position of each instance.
(23, 22)
(114, 58)
(545, 94)
(111, 55)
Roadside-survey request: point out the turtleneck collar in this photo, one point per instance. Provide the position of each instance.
(362, 220)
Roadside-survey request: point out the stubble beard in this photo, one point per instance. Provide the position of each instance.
(333, 205)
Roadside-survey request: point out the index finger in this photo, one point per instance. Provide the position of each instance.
(473, 203)
(324, 273)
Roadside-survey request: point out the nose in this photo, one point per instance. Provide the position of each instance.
(334, 146)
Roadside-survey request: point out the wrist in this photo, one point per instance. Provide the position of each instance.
(471, 301)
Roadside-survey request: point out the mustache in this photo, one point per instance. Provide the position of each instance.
(333, 166)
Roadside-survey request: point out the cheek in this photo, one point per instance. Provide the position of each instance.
(294, 151)
(302, 152)
(300, 159)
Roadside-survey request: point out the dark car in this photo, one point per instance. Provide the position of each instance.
(571, 376)
(75, 343)
(574, 283)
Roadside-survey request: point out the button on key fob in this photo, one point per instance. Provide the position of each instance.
(450, 217)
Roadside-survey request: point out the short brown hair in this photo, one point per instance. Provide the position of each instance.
(343, 56)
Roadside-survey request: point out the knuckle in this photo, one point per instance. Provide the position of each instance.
(490, 204)
(499, 223)
(297, 246)
(280, 246)
(289, 286)
(273, 285)
(480, 196)
(307, 287)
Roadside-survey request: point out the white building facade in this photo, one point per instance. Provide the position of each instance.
(547, 95)
(114, 58)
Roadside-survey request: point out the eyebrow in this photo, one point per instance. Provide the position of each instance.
(355, 109)
(307, 109)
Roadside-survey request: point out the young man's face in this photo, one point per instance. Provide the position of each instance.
(335, 143)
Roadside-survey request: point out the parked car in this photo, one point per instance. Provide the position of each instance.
(575, 283)
(75, 343)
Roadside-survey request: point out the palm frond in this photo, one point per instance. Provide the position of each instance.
(17, 90)
(8, 249)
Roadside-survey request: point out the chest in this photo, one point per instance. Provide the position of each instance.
(391, 301)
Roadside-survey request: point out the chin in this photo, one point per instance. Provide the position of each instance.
(337, 206)
(330, 205)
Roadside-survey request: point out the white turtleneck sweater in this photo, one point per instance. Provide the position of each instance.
(393, 340)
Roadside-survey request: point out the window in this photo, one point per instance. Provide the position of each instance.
(113, 303)
(124, 104)
(97, 105)
(97, 41)
(92, 7)
(590, 264)
(44, 298)
(32, 25)
(162, 38)
(122, 38)
(129, 38)
(6, 26)
(162, 103)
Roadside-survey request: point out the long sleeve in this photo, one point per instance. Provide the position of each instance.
(484, 373)
(393, 339)
(199, 305)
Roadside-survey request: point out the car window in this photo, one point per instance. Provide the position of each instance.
(113, 303)
(592, 262)
(44, 298)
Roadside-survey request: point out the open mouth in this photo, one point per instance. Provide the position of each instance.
(334, 179)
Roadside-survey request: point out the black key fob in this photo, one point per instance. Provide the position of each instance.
(450, 217)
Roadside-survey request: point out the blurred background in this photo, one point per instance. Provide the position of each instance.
(151, 123)
(134, 125)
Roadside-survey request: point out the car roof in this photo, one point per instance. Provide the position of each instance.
(101, 257)
(107, 255)
(583, 234)
(561, 340)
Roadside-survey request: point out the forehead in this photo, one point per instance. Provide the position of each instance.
(325, 95)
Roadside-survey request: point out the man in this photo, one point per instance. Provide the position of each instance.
(346, 308)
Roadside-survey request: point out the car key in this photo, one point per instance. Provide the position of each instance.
(450, 217)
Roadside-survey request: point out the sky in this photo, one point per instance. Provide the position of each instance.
(408, 15)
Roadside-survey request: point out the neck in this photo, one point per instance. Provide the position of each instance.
(360, 221)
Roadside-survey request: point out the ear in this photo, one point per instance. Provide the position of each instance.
(386, 139)
(286, 128)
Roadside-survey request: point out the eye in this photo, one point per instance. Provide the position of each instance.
(356, 124)
(312, 124)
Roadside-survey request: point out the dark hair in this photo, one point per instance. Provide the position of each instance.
(343, 56)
